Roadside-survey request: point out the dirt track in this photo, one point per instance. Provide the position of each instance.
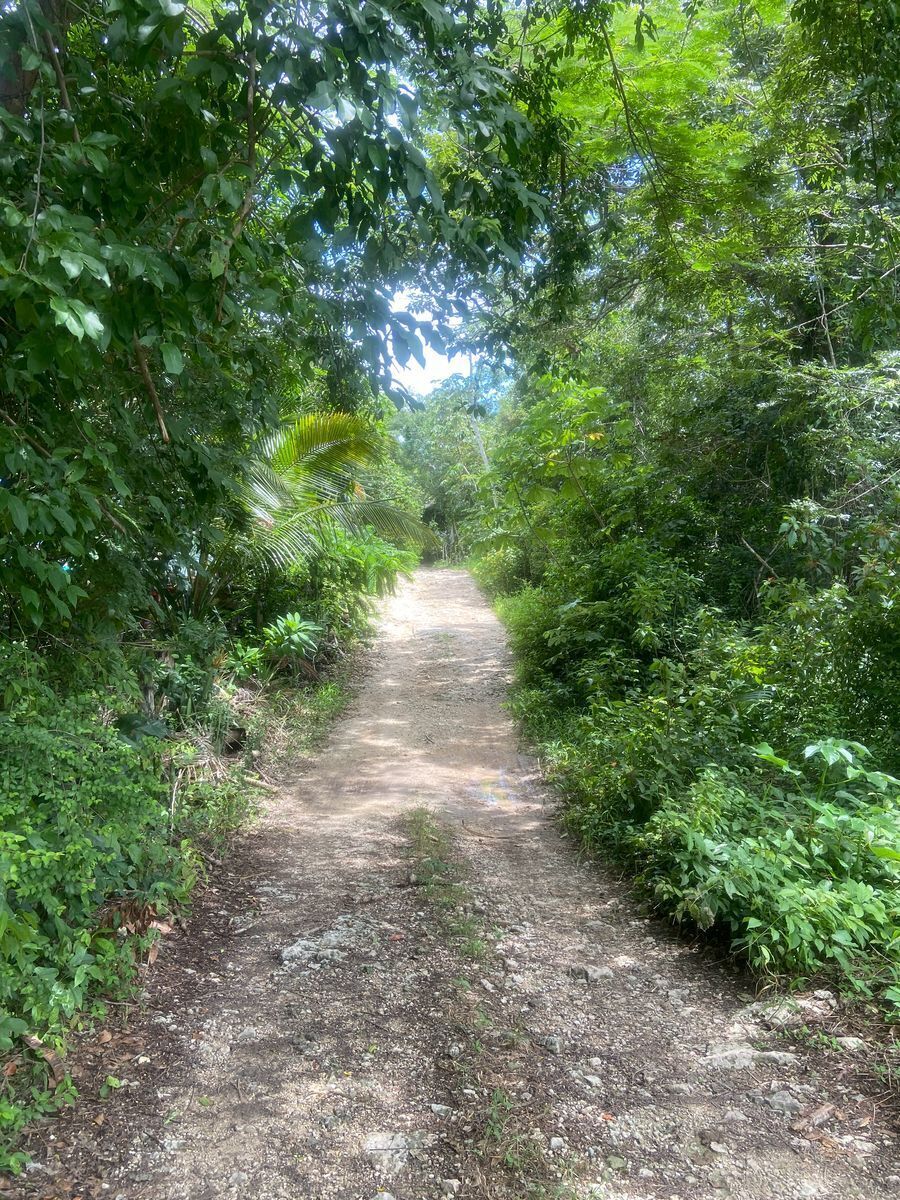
(334, 1044)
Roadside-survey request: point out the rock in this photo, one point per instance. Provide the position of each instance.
(734, 1116)
(557, 1144)
(783, 1102)
(383, 1196)
(590, 974)
(706, 1137)
(853, 1044)
(330, 956)
(593, 1081)
(741, 1057)
(330, 947)
(239, 1178)
(616, 1162)
(248, 1034)
(390, 1152)
(455, 1050)
(441, 1110)
(681, 1087)
(450, 1187)
(793, 1012)
(553, 1044)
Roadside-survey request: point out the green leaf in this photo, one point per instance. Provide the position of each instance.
(886, 852)
(415, 180)
(172, 357)
(17, 511)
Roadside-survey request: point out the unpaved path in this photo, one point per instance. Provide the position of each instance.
(377, 1056)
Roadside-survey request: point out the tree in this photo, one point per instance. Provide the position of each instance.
(192, 198)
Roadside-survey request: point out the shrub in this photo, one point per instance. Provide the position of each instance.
(501, 571)
(799, 865)
(84, 818)
(292, 641)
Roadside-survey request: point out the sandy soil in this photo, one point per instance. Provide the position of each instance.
(314, 1033)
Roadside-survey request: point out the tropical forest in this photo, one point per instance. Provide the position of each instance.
(449, 599)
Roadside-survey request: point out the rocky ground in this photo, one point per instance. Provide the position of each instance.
(406, 984)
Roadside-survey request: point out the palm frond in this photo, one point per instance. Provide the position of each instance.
(388, 522)
(301, 485)
(327, 442)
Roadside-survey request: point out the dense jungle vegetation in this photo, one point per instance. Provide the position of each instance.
(667, 234)
(677, 470)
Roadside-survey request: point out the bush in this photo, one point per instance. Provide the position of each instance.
(292, 641)
(796, 866)
(84, 818)
(799, 866)
(501, 571)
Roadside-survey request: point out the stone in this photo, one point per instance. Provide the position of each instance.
(616, 1162)
(853, 1044)
(390, 1152)
(441, 1110)
(553, 1044)
(455, 1050)
(557, 1144)
(383, 1196)
(741, 1057)
(590, 974)
(783, 1102)
(450, 1187)
(593, 1081)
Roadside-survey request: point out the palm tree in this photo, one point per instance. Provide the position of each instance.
(301, 484)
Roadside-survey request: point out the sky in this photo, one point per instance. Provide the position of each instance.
(420, 380)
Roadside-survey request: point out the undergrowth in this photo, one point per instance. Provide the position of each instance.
(106, 828)
(792, 858)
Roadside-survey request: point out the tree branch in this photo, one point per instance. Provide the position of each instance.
(141, 356)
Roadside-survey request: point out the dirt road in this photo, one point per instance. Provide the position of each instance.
(519, 1029)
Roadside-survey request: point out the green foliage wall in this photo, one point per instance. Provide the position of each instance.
(691, 515)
